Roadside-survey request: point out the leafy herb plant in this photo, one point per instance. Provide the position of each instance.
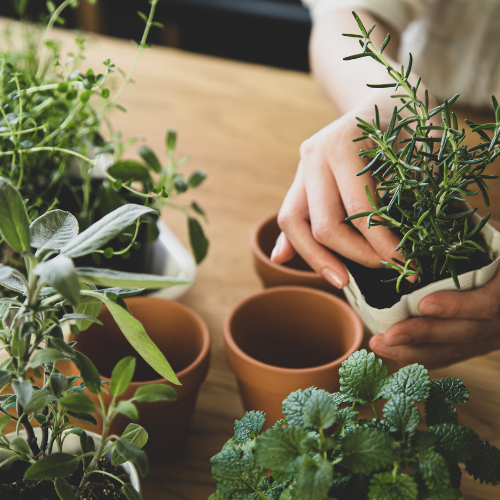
(325, 451)
(48, 294)
(53, 124)
(425, 178)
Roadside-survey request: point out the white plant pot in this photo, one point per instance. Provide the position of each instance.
(167, 256)
(379, 320)
(72, 445)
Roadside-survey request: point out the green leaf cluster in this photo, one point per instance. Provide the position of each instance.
(322, 450)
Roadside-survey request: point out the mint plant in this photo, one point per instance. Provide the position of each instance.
(322, 450)
(53, 128)
(50, 293)
(425, 178)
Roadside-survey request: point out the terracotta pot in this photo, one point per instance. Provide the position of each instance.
(295, 272)
(184, 339)
(288, 338)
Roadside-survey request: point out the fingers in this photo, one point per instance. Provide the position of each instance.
(438, 331)
(293, 221)
(327, 214)
(483, 303)
(345, 165)
(434, 355)
(283, 251)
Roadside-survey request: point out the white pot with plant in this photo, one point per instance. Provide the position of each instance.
(48, 293)
(424, 174)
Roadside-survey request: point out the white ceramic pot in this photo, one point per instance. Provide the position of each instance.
(379, 320)
(72, 445)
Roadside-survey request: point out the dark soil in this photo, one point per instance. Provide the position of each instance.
(384, 295)
(98, 487)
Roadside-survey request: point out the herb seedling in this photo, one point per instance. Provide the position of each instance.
(385, 458)
(49, 293)
(53, 123)
(425, 179)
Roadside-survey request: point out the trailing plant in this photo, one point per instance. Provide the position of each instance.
(425, 178)
(48, 294)
(322, 450)
(53, 124)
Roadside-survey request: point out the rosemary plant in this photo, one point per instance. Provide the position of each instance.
(47, 294)
(424, 179)
(53, 124)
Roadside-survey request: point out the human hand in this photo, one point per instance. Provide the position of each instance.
(457, 326)
(325, 191)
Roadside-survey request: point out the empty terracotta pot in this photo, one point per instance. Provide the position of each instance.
(288, 338)
(184, 339)
(295, 272)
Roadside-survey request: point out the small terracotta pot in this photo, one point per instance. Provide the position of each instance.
(184, 339)
(288, 338)
(295, 272)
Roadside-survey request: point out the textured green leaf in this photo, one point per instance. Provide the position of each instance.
(279, 447)
(452, 389)
(367, 450)
(347, 417)
(4, 420)
(88, 306)
(14, 222)
(39, 400)
(111, 278)
(236, 472)
(23, 391)
(128, 409)
(293, 406)
(434, 469)
(53, 466)
(135, 434)
(459, 444)
(362, 377)
(401, 414)
(104, 230)
(314, 479)
(83, 417)
(320, 410)
(58, 383)
(249, 426)
(60, 273)
(485, 465)
(53, 230)
(130, 452)
(438, 410)
(385, 486)
(412, 381)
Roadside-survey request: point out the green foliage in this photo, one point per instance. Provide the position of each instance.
(55, 134)
(355, 459)
(424, 179)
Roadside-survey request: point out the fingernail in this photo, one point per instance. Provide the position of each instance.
(278, 247)
(395, 340)
(430, 309)
(332, 277)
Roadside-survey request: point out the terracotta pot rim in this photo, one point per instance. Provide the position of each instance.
(257, 250)
(205, 348)
(357, 330)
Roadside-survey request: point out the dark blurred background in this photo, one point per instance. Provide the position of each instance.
(271, 32)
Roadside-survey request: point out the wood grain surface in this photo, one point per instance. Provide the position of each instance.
(243, 124)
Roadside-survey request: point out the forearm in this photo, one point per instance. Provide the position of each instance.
(344, 82)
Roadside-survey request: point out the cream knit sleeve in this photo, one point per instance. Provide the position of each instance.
(396, 13)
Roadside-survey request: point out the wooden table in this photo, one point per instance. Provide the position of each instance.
(243, 124)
